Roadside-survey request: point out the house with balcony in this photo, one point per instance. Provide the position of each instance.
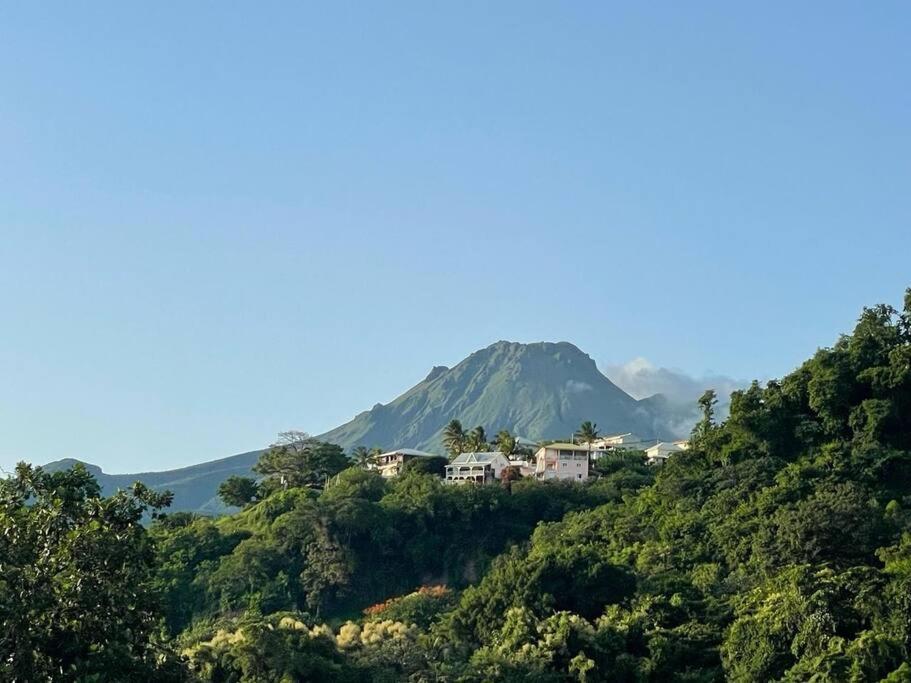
(392, 463)
(476, 468)
(628, 441)
(562, 461)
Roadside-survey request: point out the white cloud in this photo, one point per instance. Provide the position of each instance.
(576, 387)
(640, 379)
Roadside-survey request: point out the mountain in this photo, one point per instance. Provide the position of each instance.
(542, 390)
(539, 391)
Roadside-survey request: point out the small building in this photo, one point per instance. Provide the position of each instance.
(660, 452)
(477, 468)
(391, 464)
(525, 466)
(627, 441)
(566, 461)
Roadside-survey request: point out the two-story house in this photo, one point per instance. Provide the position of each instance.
(478, 468)
(567, 461)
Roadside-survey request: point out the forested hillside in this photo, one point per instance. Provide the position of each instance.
(778, 547)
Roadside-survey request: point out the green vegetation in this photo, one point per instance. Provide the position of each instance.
(506, 443)
(76, 572)
(778, 547)
(454, 438)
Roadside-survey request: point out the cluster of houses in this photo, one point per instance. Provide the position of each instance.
(561, 461)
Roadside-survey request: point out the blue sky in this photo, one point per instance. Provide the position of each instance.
(219, 221)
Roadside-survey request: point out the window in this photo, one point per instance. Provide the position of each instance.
(578, 476)
(564, 464)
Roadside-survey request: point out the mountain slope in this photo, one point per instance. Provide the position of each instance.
(195, 488)
(542, 390)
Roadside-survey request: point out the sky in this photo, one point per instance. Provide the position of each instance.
(219, 221)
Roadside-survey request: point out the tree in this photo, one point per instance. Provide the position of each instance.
(297, 459)
(238, 491)
(704, 427)
(435, 465)
(506, 443)
(588, 433)
(361, 456)
(76, 599)
(327, 571)
(508, 475)
(454, 438)
(477, 440)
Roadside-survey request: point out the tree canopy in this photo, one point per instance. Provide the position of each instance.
(76, 572)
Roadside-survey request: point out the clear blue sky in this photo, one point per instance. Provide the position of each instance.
(221, 220)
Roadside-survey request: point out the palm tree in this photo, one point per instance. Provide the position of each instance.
(477, 440)
(506, 443)
(588, 432)
(454, 438)
(361, 456)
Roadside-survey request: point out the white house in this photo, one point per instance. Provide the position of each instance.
(660, 452)
(567, 461)
(628, 441)
(477, 468)
(391, 464)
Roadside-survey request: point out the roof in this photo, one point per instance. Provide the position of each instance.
(408, 451)
(567, 446)
(664, 446)
(480, 458)
(632, 436)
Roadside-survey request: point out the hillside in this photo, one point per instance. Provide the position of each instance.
(777, 547)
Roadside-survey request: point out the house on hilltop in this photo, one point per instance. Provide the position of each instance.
(477, 468)
(566, 461)
(627, 441)
(661, 451)
(392, 463)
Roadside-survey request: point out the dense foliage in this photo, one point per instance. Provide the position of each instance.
(778, 547)
(75, 581)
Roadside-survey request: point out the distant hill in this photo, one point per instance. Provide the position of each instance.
(540, 391)
(195, 488)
